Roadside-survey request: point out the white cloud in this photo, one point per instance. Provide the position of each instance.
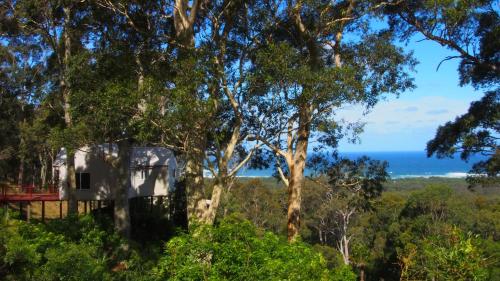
(393, 116)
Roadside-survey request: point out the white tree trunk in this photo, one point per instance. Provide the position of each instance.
(121, 206)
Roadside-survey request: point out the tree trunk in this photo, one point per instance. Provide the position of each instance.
(184, 19)
(296, 168)
(66, 93)
(362, 272)
(344, 239)
(294, 201)
(43, 170)
(214, 203)
(345, 250)
(121, 206)
(20, 175)
(196, 204)
(71, 183)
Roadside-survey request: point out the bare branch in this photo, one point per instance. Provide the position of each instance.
(280, 172)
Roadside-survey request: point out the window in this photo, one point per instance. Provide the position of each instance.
(82, 180)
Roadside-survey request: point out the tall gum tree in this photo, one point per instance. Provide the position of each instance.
(52, 24)
(22, 83)
(205, 85)
(185, 16)
(229, 44)
(316, 57)
(177, 111)
(183, 113)
(134, 37)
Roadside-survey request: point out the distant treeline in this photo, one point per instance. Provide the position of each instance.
(418, 229)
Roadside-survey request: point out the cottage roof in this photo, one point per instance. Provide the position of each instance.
(139, 157)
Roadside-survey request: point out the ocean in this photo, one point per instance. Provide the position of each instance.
(404, 164)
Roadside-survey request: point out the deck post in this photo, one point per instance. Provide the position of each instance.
(28, 212)
(6, 210)
(160, 202)
(68, 210)
(151, 204)
(60, 209)
(21, 210)
(85, 206)
(99, 205)
(43, 211)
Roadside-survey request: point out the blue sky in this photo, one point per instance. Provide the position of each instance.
(408, 122)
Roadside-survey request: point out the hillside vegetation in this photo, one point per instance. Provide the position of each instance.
(436, 232)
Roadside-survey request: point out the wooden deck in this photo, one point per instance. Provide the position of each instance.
(29, 193)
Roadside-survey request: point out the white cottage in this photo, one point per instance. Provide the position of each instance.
(152, 172)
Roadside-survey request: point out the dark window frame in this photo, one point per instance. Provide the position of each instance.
(82, 181)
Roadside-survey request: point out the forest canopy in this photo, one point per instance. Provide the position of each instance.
(226, 85)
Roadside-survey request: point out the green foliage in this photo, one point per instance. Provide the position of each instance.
(71, 261)
(450, 256)
(429, 243)
(414, 214)
(35, 251)
(343, 273)
(471, 29)
(9, 126)
(431, 200)
(236, 250)
(259, 203)
(473, 132)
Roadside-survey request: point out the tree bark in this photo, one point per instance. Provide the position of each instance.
(362, 272)
(184, 19)
(214, 203)
(196, 204)
(294, 201)
(43, 170)
(71, 182)
(344, 239)
(20, 175)
(121, 206)
(64, 83)
(297, 173)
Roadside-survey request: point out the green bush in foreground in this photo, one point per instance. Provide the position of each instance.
(236, 250)
(450, 256)
(37, 252)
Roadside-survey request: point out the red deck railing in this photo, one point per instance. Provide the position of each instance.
(30, 193)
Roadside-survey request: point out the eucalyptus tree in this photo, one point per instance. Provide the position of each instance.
(198, 106)
(9, 126)
(354, 183)
(24, 84)
(22, 74)
(230, 44)
(471, 30)
(126, 54)
(187, 16)
(52, 31)
(315, 57)
(175, 110)
(10, 116)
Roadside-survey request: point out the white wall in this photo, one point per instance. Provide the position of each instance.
(155, 180)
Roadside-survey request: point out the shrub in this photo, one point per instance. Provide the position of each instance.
(236, 250)
(72, 262)
(43, 252)
(450, 256)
